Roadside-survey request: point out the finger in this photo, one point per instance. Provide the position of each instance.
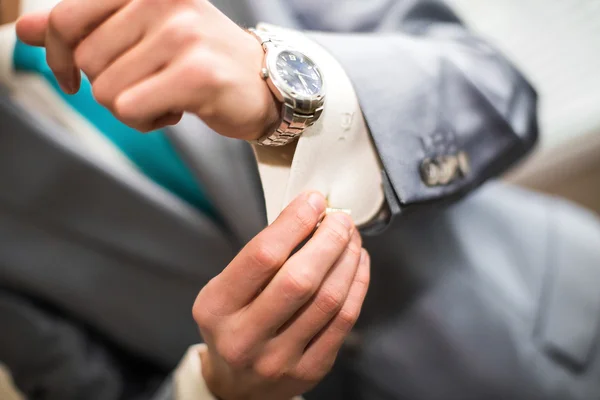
(326, 303)
(69, 23)
(320, 355)
(31, 28)
(100, 48)
(262, 258)
(60, 59)
(166, 92)
(146, 59)
(167, 120)
(302, 275)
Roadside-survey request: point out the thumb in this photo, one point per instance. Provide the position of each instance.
(31, 28)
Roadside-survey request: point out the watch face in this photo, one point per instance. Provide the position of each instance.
(299, 73)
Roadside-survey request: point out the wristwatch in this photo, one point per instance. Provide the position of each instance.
(296, 81)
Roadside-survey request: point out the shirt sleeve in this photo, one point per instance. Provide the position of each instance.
(335, 156)
(188, 382)
(8, 391)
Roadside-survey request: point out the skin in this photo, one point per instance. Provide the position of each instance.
(274, 324)
(274, 319)
(152, 60)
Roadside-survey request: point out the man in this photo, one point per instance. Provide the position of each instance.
(452, 308)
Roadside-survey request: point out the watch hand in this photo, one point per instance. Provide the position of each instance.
(300, 73)
(303, 82)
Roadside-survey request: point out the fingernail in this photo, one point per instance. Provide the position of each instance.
(344, 219)
(65, 86)
(69, 83)
(317, 201)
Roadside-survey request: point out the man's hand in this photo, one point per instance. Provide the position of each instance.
(151, 60)
(274, 323)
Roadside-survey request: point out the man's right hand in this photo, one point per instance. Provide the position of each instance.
(274, 322)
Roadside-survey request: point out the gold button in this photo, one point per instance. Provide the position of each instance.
(448, 168)
(430, 172)
(464, 163)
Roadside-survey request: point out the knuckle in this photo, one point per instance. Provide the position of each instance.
(364, 279)
(354, 249)
(346, 320)
(265, 258)
(270, 368)
(298, 286)
(206, 70)
(103, 94)
(355, 245)
(363, 276)
(337, 235)
(233, 352)
(314, 374)
(329, 301)
(305, 218)
(58, 20)
(198, 68)
(201, 313)
(181, 28)
(322, 370)
(200, 316)
(124, 111)
(84, 59)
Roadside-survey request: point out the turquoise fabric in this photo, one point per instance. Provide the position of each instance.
(152, 153)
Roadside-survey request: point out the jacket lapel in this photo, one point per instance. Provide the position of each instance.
(47, 175)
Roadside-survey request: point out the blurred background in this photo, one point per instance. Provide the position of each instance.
(556, 44)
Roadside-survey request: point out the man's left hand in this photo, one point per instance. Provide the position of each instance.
(151, 60)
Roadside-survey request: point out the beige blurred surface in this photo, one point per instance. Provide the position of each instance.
(556, 43)
(570, 171)
(7, 389)
(9, 11)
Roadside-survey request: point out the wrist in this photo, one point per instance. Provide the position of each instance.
(208, 373)
(272, 119)
(271, 115)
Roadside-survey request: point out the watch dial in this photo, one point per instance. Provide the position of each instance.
(299, 73)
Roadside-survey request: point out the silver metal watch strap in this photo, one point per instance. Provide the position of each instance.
(266, 37)
(293, 124)
(291, 128)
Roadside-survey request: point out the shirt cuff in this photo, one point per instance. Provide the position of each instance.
(8, 391)
(188, 381)
(336, 156)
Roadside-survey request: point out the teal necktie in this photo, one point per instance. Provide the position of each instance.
(152, 153)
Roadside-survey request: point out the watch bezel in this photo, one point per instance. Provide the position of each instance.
(282, 87)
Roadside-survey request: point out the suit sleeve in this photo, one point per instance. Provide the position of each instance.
(430, 90)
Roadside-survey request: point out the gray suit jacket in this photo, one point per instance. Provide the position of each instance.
(490, 298)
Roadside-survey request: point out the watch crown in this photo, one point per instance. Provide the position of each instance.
(264, 73)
